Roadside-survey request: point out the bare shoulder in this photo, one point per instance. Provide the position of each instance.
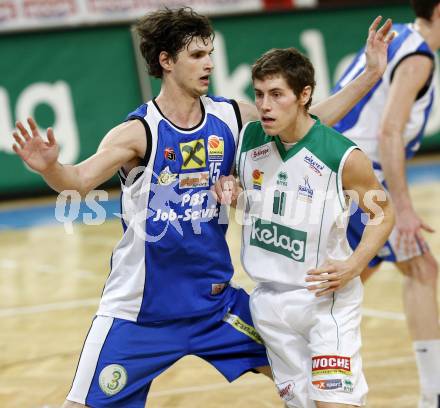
(248, 112)
(414, 70)
(130, 134)
(357, 169)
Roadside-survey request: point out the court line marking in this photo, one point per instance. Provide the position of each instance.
(262, 380)
(380, 314)
(74, 304)
(49, 307)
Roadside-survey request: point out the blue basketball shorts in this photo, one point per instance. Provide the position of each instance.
(389, 252)
(120, 358)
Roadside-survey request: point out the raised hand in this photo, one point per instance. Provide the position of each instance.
(37, 153)
(377, 45)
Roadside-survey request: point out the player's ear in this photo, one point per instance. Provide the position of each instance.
(305, 95)
(166, 61)
(436, 12)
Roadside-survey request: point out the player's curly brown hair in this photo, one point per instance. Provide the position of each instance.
(424, 8)
(295, 68)
(170, 31)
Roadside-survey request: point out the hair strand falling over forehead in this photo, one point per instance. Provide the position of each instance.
(293, 66)
(170, 31)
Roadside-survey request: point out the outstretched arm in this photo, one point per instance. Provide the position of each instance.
(334, 108)
(359, 181)
(121, 145)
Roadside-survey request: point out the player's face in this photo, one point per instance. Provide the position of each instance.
(194, 66)
(277, 105)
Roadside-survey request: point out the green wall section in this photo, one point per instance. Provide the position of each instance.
(97, 68)
(84, 81)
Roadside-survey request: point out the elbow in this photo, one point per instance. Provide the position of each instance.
(84, 188)
(388, 133)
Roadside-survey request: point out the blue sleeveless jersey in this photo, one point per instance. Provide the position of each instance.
(362, 123)
(173, 260)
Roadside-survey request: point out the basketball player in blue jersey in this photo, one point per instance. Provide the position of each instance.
(388, 124)
(169, 293)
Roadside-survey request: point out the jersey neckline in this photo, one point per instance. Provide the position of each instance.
(287, 154)
(202, 106)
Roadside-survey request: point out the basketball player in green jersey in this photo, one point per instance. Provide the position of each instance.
(296, 174)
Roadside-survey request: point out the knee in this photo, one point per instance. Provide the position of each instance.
(423, 270)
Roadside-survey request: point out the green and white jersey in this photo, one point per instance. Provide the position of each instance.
(295, 214)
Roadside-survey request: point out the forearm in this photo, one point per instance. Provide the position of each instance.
(334, 108)
(62, 177)
(392, 154)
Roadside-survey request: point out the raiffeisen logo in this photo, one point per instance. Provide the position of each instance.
(277, 238)
(316, 166)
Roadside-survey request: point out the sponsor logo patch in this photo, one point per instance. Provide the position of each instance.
(217, 288)
(216, 148)
(194, 180)
(257, 179)
(282, 178)
(328, 384)
(166, 177)
(348, 386)
(112, 379)
(305, 192)
(261, 152)
(242, 327)
(278, 238)
(331, 365)
(314, 164)
(285, 390)
(193, 154)
(169, 154)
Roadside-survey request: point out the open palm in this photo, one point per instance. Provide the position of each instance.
(37, 153)
(377, 45)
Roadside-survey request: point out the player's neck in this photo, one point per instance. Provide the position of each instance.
(430, 31)
(180, 108)
(298, 129)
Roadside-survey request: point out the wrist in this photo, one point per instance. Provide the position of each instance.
(357, 264)
(51, 169)
(371, 76)
(402, 205)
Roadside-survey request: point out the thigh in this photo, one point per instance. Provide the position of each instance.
(287, 349)
(228, 339)
(120, 359)
(336, 375)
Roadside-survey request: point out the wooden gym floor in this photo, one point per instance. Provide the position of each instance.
(50, 283)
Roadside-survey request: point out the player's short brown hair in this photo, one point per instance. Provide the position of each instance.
(424, 8)
(170, 31)
(293, 66)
